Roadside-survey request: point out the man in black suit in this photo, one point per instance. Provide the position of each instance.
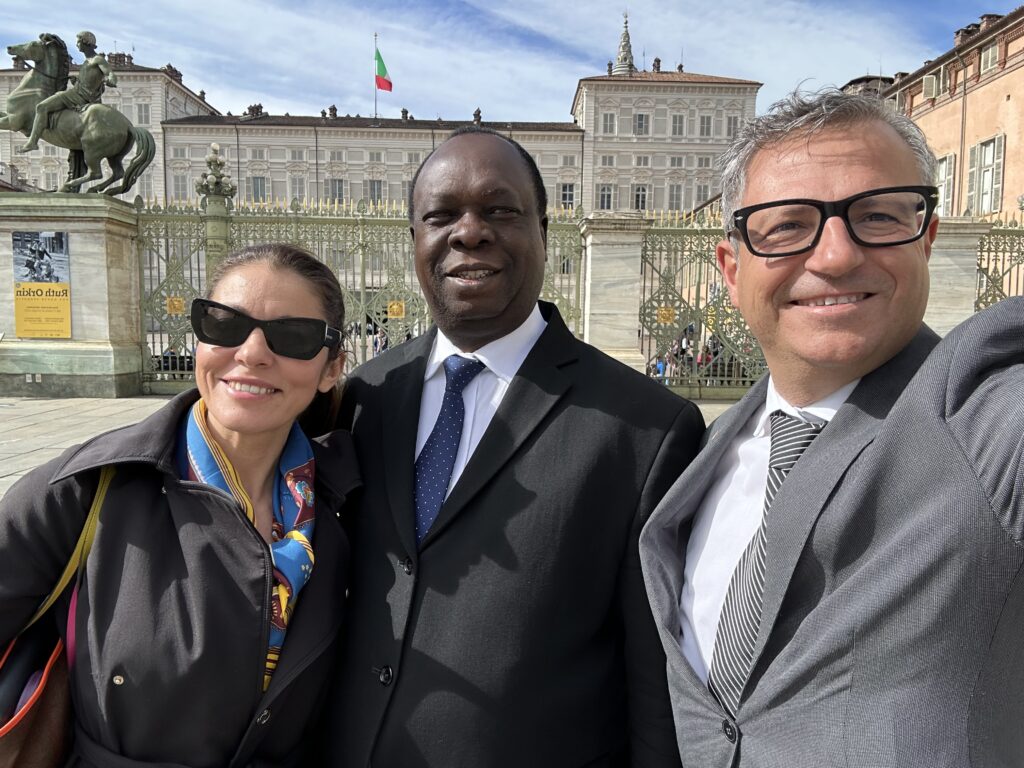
(498, 617)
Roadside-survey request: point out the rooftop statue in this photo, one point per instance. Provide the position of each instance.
(43, 106)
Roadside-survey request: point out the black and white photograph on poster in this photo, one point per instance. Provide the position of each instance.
(41, 257)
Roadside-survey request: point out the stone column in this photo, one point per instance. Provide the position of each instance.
(105, 355)
(954, 272)
(612, 288)
(216, 188)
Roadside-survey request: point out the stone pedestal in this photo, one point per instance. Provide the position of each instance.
(612, 289)
(954, 272)
(104, 356)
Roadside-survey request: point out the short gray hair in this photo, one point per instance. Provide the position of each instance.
(802, 113)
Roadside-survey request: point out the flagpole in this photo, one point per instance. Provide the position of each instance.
(374, 75)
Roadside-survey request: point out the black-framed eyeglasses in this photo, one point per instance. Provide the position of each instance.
(875, 219)
(300, 338)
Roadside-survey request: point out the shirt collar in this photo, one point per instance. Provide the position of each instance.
(503, 356)
(820, 412)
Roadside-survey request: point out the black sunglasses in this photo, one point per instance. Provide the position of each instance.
(300, 338)
(877, 218)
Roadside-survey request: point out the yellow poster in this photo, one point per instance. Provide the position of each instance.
(42, 310)
(42, 285)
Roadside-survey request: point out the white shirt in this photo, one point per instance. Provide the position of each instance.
(484, 393)
(727, 520)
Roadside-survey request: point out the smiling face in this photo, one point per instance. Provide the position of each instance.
(479, 239)
(252, 393)
(835, 313)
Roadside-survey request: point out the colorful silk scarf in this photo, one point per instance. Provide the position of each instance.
(200, 458)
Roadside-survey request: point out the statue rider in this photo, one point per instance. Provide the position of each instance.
(87, 88)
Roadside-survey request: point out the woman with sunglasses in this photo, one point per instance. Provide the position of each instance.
(203, 629)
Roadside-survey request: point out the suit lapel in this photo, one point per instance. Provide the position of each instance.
(400, 402)
(810, 484)
(664, 540)
(539, 384)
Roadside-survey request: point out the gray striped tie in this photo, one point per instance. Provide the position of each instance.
(741, 613)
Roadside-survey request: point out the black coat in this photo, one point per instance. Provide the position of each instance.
(519, 634)
(174, 603)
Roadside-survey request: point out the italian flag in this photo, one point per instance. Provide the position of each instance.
(383, 80)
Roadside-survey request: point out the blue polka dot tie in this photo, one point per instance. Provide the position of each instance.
(437, 459)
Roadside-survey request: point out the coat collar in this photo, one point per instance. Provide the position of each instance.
(152, 441)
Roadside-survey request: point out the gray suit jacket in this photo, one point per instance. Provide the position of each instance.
(893, 624)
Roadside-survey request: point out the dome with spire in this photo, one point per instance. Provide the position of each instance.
(624, 61)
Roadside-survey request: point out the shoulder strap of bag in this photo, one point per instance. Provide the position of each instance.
(83, 547)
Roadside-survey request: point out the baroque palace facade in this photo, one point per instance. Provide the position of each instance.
(639, 140)
(970, 104)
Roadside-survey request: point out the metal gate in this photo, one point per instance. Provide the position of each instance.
(368, 248)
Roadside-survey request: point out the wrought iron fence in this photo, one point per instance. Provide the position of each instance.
(367, 246)
(1000, 264)
(690, 334)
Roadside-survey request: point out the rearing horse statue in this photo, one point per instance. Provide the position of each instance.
(97, 132)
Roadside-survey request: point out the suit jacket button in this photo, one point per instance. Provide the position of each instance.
(385, 674)
(407, 566)
(263, 717)
(730, 731)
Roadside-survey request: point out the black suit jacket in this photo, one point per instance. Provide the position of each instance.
(519, 633)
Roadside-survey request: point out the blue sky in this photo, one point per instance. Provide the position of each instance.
(514, 60)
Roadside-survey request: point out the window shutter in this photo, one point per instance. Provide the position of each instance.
(947, 202)
(972, 179)
(997, 174)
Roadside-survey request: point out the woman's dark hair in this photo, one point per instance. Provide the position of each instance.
(321, 413)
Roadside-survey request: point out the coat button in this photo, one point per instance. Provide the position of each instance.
(407, 566)
(730, 731)
(118, 680)
(385, 674)
(263, 717)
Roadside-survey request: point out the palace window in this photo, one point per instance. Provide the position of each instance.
(639, 197)
(376, 190)
(732, 125)
(337, 156)
(703, 193)
(257, 153)
(675, 161)
(675, 197)
(142, 114)
(297, 156)
(608, 122)
(567, 195)
(985, 176)
(607, 161)
(944, 181)
(641, 124)
(642, 161)
(335, 190)
(704, 161)
(604, 197)
(705, 125)
(376, 157)
(988, 57)
(258, 189)
(569, 161)
(678, 125)
(412, 157)
(179, 187)
(179, 152)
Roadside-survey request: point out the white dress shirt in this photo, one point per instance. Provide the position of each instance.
(484, 393)
(727, 520)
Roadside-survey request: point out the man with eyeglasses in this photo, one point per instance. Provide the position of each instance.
(837, 578)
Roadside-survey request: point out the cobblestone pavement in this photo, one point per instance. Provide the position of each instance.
(35, 430)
